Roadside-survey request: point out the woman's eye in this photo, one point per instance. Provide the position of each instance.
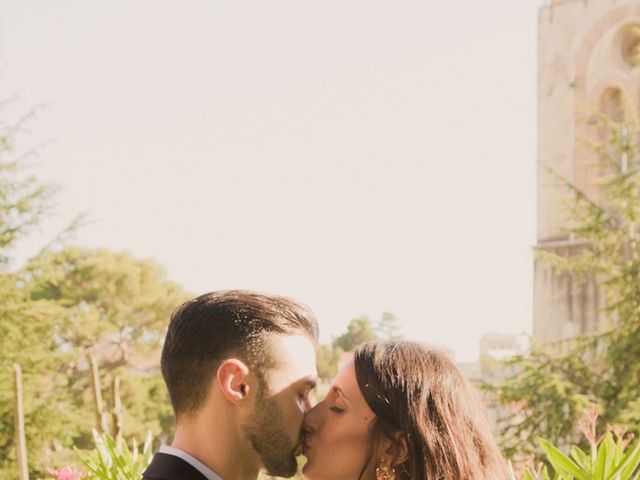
(336, 409)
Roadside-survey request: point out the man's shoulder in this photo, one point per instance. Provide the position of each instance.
(169, 467)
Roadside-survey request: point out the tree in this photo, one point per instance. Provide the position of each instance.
(27, 335)
(359, 331)
(123, 301)
(388, 328)
(68, 301)
(24, 200)
(327, 359)
(112, 305)
(553, 385)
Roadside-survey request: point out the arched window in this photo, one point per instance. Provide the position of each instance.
(612, 104)
(630, 45)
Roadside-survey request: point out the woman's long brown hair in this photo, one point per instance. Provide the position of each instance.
(418, 393)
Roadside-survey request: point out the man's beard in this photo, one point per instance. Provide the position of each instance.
(268, 436)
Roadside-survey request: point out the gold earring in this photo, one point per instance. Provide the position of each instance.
(385, 471)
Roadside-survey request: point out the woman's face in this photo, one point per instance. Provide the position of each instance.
(337, 443)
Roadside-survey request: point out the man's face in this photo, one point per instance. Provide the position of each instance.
(274, 427)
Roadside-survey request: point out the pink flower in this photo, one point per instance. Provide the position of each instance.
(588, 425)
(68, 473)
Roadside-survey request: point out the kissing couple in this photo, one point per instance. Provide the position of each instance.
(239, 367)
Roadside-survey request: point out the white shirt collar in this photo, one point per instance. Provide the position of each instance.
(194, 462)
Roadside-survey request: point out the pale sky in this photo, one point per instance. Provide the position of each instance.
(360, 156)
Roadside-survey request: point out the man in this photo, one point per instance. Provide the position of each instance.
(239, 367)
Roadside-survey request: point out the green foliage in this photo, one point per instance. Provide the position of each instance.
(111, 460)
(327, 359)
(552, 385)
(388, 328)
(359, 331)
(24, 200)
(123, 301)
(66, 302)
(27, 333)
(613, 456)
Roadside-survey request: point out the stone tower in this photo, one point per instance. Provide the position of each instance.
(587, 54)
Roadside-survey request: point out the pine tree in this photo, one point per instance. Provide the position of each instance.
(553, 385)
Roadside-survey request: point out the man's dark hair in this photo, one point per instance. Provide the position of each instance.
(217, 325)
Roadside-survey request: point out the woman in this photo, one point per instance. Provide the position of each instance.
(400, 411)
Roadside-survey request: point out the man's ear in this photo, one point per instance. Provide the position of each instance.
(232, 377)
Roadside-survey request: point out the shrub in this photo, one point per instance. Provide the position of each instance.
(612, 456)
(112, 460)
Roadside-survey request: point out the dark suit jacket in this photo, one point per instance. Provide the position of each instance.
(170, 467)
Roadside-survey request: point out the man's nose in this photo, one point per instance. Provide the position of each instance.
(307, 405)
(311, 419)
